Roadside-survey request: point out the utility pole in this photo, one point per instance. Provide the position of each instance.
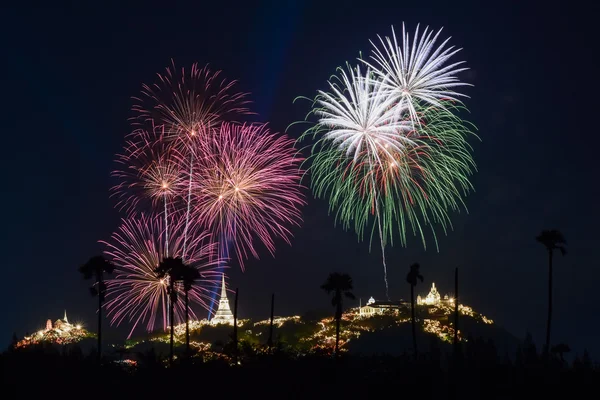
(270, 342)
(235, 335)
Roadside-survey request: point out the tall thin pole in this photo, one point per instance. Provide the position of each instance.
(270, 342)
(549, 321)
(413, 320)
(456, 351)
(235, 336)
(456, 310)
(171, 312)
(100, 294)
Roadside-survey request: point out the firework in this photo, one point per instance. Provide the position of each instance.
(149, 171)
(188, 101)
(392, 149)
(416, 75)
(136, 294)
(360, 117)
(187, 104)
(247, 188)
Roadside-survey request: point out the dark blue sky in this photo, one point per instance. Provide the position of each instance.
(69, 72)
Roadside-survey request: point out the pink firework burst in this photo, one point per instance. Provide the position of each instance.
(149, 170)
(247, 187)
(136, 294)
(189, 101)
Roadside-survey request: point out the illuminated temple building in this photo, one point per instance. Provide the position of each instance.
(374, 307)
(433, 298)
(61, 325)
(378, 307)
(60, 332)
(223, 314)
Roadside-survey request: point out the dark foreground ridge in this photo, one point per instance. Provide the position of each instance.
(477, 373)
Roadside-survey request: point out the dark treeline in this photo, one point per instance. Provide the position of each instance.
(477, 372)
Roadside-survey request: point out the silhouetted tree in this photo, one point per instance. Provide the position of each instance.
(412, 278)
(529, 350)
(560, 349)
(95, 268)
(171, 268)
(189, 276)
(552, 240)
(340, 285)
(121, 351)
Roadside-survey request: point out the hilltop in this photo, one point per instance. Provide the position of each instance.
(375, 328)
(378, 327)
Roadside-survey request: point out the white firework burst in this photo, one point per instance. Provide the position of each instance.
(416, 74)
(360, 117)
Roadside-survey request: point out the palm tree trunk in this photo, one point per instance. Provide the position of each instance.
(549, 323)
(99, 321)
(187, 324)
(412, 312)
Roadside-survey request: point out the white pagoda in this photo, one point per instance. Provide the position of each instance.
(223, 314)
(433, 298)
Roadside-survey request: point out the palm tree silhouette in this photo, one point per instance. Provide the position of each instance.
(552, 240)
(189, 276)
(340, 285)
(96, 267)
(412, 278)
(171, 268)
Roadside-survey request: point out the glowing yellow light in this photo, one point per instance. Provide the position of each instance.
(193, 133)
(165, 185)
(78, 326)
(40, 333)
(237, 189)
(220, 197)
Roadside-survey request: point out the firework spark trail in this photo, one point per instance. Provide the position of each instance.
(358, 120)
(189, 202)
(382, 243)
(396, 129)
(247, 187)
(136, 293)
(166, 228)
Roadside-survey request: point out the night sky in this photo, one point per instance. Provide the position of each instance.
(70, 71)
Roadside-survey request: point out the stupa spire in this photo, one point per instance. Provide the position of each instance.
(65, 318)
(223, 290)
(223, 314)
